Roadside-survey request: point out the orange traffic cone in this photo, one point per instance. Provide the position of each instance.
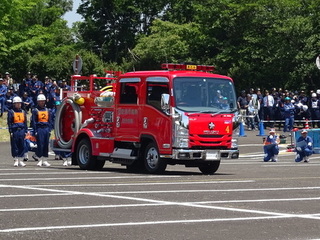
(307, 124)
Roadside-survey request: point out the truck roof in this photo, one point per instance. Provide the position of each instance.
(173, 73)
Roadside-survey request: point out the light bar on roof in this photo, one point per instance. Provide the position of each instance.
(173, 66)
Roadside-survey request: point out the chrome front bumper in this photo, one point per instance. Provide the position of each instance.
(206, 155)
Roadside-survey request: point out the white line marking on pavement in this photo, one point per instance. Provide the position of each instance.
(272, 214)
(155, 204)
(84, 207)
(134, 184)
(35, 195)
(160, 191)
(193, 221)
(18, 172)
(293, 165)
(260, 200)
(78, 178)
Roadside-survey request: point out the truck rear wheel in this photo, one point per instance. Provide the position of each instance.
(209, 167)
(84, 156)
(152, 161)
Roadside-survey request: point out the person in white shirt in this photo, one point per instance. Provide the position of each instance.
(268, 103)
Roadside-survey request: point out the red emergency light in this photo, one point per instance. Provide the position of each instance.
(173, 66)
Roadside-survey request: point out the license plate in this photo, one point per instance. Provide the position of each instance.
(212, 155)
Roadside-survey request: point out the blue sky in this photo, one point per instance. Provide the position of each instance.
(72, 16)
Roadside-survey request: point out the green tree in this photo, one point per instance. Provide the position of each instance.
(258, 42)
(32, 35)
(110, 27)
(168, 42)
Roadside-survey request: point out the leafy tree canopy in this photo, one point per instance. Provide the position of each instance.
(260, 43)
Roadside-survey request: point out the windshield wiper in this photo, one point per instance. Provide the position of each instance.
(206, 111)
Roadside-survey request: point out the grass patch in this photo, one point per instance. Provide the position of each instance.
(4, 133)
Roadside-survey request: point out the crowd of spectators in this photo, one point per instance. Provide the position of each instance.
(29, 88)
(278, 106)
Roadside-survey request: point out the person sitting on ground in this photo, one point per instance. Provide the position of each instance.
(304, 147)
(271, 148)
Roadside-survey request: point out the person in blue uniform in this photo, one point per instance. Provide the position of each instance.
(41, 122)
(65, 86)
(289, 110)
(304, 147)
(17, 125)
(271, 148)
(27, 103)
(3, 93)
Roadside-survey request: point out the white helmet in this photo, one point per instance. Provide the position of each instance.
(313, 95)
(16, 100)
(305, 107)
(41, 97)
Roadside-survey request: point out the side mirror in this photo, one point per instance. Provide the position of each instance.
(165, 103)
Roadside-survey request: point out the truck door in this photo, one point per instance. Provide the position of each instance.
(155, 121)
(127, 111)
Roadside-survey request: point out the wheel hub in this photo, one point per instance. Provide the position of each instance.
(152, 158)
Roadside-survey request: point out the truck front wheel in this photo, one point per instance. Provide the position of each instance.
(152, 161)
(209, 167)
(84, 156)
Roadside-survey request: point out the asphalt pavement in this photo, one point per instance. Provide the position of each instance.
(246, 199)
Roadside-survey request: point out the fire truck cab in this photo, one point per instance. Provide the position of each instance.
(148, 119)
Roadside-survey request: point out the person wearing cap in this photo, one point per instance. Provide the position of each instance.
(8, 79)
(224, 103)
(315, 109)
(25, 85)
(47, 86)
(65, 86)
(289, 111)
(27, 102)
(41, 122)
(271, 148)
(304, 147)
(217, 98)
(3, 93)
(252, 92)
(302, 97)
(35, 87)
(17, 125)
(8, 99)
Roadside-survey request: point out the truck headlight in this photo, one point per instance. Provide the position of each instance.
(181, 137)
(234, 143)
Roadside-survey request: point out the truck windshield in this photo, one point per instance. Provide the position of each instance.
(207, 95)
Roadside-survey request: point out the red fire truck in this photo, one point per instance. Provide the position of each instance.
(182, 114)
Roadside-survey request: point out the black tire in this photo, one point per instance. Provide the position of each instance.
(136, 166)
(209, 168)
(84, 156)
(99, 164)
(152, 161)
